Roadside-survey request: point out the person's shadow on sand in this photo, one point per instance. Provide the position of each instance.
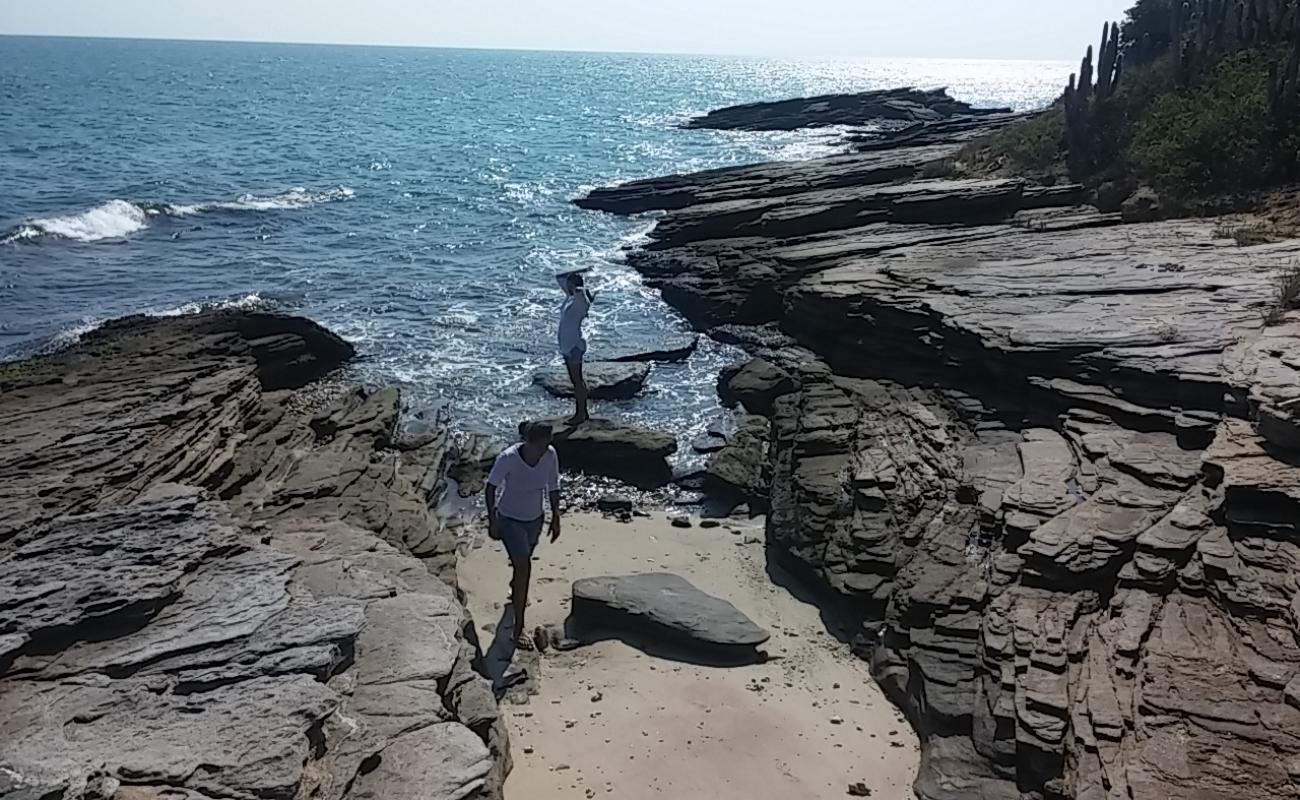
(503, 663)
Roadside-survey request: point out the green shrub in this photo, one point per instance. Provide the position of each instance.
(1246, 234)
(1215, 136)
(1286, 294)
(1033, 145)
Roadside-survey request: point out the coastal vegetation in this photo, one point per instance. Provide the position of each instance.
(1288, 294)
(1199, 100)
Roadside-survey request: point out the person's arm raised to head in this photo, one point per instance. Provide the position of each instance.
(565, 286)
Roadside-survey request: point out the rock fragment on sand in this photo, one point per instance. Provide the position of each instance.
(611, 504)
(859, 790)
(666, 605)
(680, 521)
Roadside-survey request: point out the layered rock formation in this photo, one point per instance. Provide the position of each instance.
(910, 105)
(1048, 461)
(218, 581)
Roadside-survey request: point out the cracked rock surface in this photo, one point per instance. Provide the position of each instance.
(221, 579)
(1046, 462)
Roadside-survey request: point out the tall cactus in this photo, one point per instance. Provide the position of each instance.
(1084, 86)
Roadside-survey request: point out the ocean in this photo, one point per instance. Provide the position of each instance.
(416, 201)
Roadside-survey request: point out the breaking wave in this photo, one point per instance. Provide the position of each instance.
(118, 219)
(112, 220)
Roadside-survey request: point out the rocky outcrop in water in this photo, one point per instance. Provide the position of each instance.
(221, 580)
(910, 105)
(606, 380)
(615, 449)
(1047, 461)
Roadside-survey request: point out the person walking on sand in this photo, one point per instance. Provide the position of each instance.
(523, 478)
(573, 346)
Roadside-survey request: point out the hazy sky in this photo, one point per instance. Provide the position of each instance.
(1035, 29)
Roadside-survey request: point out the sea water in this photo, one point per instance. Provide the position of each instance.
(416, 201)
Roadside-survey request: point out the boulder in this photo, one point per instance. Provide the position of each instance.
(471, 462)
(737, 473)
(671, 352)
(615, 449)
(606, 380)
(756, 385)
(657, 606)
(613, 504)
(1142, 206)
(708, 444)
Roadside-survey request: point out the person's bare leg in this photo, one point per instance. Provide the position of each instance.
(521, 574)
(579, 382)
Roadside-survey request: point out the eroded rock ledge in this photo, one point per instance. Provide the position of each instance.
(219, 581)
(1047, 460)
(909, 105)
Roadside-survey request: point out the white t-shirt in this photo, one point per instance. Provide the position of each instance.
(522, 490)
(572, 313)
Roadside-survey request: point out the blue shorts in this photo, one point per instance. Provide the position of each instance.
(574, 354)
(520, 538)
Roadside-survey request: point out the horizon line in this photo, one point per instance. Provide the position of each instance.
(497, 49)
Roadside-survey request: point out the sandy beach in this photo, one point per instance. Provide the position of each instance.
(610, 721)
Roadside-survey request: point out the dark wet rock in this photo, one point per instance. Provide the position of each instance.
(738, 472)
(616, 450)
(614, 505)
(218, 588)
(662, 605)
(752, 337)
(427, 427)
(471, 461)
(606, 380)
(1047, 460)
(756, 385)
(1142, 206)
(709, 443)
(838, 109)
(671, 352)
(955, 130)
(680, 521)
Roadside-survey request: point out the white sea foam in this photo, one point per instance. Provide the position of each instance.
(295, 198)
(112, 220)
(250, 302)
(118, 219)
(72, 334)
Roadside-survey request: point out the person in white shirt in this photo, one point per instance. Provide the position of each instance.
(523, 478)
(573, 346)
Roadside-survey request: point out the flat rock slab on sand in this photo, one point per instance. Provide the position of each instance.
(660, 604)
(614, 721)
(606, 380)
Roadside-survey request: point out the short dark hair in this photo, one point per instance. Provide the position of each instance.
(538, 433)
(576, 279)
